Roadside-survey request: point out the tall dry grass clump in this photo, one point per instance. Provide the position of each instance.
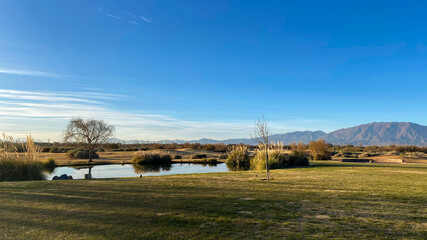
(238, 157)
(16, 167)
(143, 157)
(278, 157)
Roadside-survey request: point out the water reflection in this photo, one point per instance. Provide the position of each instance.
(232, 167)
(134, 170)
(151, 168)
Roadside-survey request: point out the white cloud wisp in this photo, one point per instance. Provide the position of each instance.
(45, 115)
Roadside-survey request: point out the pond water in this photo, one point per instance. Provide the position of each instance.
(134, 170)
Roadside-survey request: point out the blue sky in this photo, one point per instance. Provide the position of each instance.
(191, 69)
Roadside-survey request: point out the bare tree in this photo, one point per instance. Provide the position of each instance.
(261, 134)
(89, 133)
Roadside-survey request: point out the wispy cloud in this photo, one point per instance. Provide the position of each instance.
(131, 14)
(45, 115)
(145, 19)
(24, 72)
(127, 17)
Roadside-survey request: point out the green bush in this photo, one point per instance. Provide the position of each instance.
(50, 165)
(198, 156)
(81, 154)
(58, 150)
(223, 156)
(16, 169)
(53, 150)
(298, 158)
(177, 157)
(151, 158)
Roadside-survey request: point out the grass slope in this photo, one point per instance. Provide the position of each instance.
(329, 200)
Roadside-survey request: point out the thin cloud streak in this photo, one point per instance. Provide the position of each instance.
(145, 19)
(29, 73)
(32, 109)
(85, 97)
(128, 17)
(12, 70)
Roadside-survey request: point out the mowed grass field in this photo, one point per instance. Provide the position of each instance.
(326, 201)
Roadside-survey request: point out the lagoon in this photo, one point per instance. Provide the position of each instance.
(135, 170)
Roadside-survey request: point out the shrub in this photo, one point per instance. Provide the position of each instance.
(319, 156)
(112, 146)
(368, 154)
(15, 167)
(211, 160)
(346, 154)
(319, 150)
(81, 154)
(238, 157)
(198, 156)
(151, 158)
(177, 157)
(53, 150)
(298, 158)
(278, 158)
(50, 165)
(45, 149)
(223, 156)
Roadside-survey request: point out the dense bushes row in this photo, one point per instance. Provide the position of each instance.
(198, 156)
(81, 154)
(157, 146)
(143, 157)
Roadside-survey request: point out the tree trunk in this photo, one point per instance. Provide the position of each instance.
(267, 164)
(90, 155)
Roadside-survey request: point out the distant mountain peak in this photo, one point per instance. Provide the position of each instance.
(375, 133)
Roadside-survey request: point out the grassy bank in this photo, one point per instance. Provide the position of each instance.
(329, 200)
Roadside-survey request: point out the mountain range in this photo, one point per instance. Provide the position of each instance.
(376, 133)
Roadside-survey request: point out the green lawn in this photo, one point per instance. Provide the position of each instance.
(328, 200)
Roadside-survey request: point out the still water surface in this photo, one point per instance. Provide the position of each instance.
(133, 170)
